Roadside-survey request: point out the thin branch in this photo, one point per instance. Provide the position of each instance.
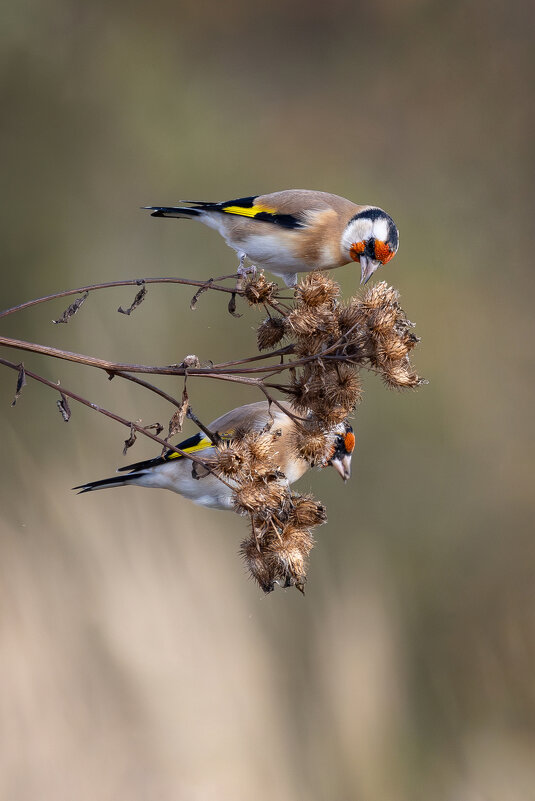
(128, 423)
(128, 282)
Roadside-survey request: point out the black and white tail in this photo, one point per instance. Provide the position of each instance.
(173, 211)
(104, 483)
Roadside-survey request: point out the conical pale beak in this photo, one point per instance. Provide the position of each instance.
(367, 267)
(343, 466)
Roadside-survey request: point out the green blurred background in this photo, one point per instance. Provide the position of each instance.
(137, 659)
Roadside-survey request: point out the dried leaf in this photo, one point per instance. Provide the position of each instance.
(199, 292)
(21, 382)
(176, 421)
(64, 408)
(158, 427)
(72, 309)
(232, 306)
(131, 439)
(138, 300)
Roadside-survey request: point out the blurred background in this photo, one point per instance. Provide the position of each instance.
(137, 659)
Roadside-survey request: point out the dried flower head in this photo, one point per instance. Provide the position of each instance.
(400, 375)
(260, 497)
(227, 459)
(306, 512)
(257, 289)
(311, 442)
(270, 332)
(380, 295)
(342, 387)
(317, 289)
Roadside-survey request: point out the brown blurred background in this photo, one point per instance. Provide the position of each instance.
(137, 659)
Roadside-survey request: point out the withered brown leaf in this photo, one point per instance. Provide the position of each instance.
(131, 439)
(138, 300)
(21, 382)
(71, 310)
(64, 408)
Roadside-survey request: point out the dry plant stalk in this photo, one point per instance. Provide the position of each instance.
(331, 341)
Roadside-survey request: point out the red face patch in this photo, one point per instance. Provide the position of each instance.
(356, 250)
(349, 442)
(383, 252)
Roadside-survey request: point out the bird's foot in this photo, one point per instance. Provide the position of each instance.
(242, 271)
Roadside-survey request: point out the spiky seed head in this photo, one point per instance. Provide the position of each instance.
(317, 289)
(350, 315)
(311, 444)
(258, 563)
(380, 294)
(257, 289)
(260, 497)
(400, 374)
(342, 387)
(390, 347)
(270, 332)
(307, 512)
(382, 319)
(328, 414)
(227, 459)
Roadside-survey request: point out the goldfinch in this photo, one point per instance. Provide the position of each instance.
(178, 474)
(297, 230)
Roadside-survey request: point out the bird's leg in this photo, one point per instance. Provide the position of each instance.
(243, 271)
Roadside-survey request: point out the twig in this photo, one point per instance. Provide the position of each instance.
(128, 423)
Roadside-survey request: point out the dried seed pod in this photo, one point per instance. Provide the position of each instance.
(316, 289)
(342, 387)
(304, 321)
(380, 295)
(351, 315)
(400, 374)
(258, 563)
(390, 347)
(289, 555)
(258, 290)
(306, 512)
(227, 459)
(270, 332)
(311, 443)
(382, 320)
(327, 414)
(260, 497)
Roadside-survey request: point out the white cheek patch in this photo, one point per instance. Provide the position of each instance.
(357, 231)
(380, 230)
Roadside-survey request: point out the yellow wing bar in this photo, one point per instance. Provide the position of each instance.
(252, 211)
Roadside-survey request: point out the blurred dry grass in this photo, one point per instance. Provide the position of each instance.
(132, 665)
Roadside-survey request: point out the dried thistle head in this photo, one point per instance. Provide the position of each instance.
(258, 563)
(378, 295)
(227, 459)
(400, 375)
(382, 319)
(306, 512)
(257, 289)
(311, 442)
(351, 315)
(270, 332)
(390, 347)
(317, 289)
(288, 556)
(342, 387)
(260, 497)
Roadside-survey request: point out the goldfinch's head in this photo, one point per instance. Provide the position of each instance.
(371, 238)
(342, 452)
